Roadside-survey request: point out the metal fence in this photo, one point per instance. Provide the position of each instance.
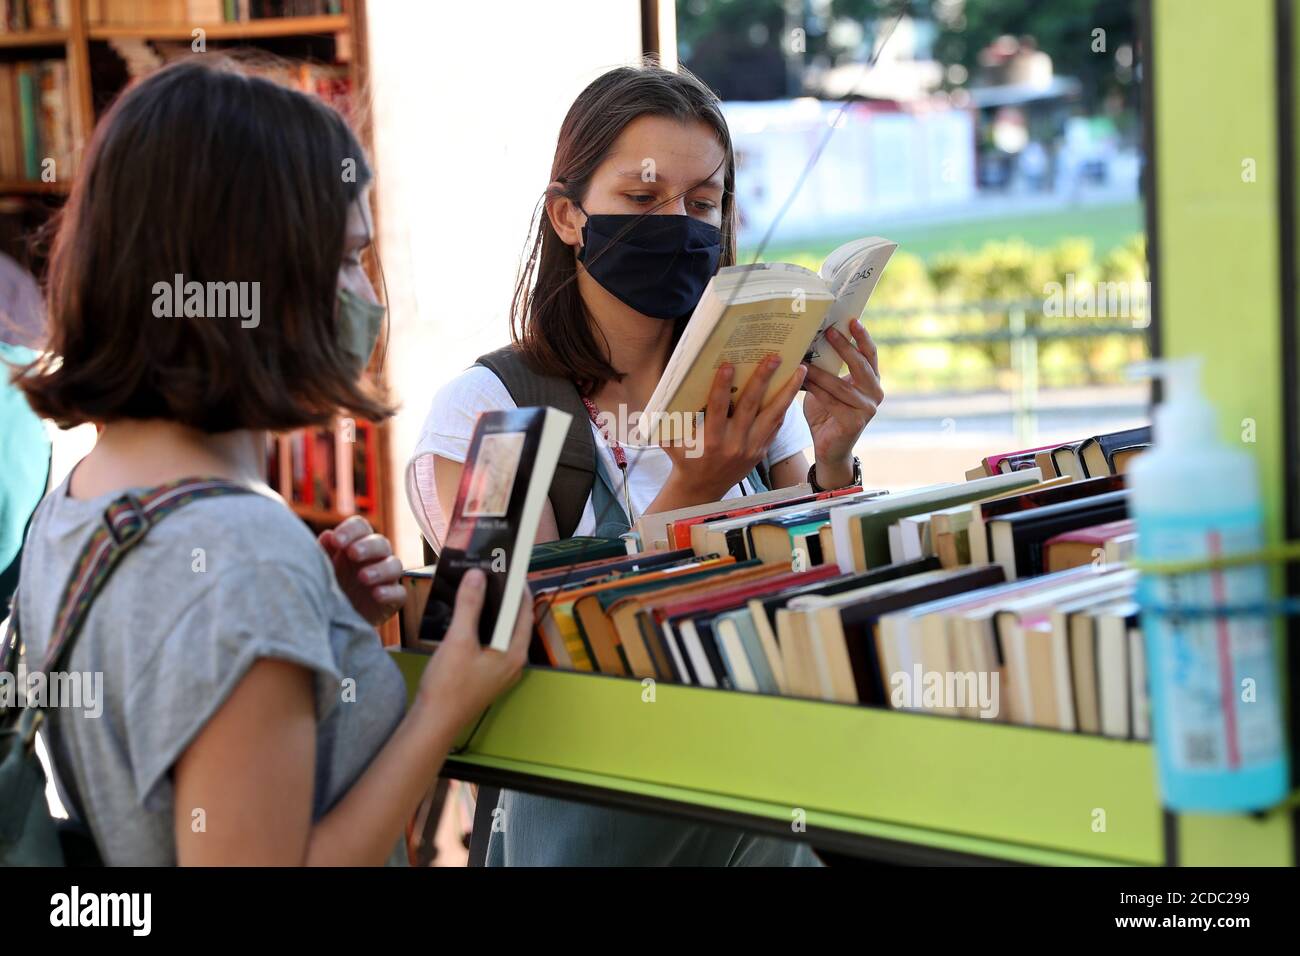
(1022, 325)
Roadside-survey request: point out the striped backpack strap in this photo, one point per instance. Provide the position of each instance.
(126, 521)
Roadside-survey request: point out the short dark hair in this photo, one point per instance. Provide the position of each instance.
(207, 171)
(549, 322)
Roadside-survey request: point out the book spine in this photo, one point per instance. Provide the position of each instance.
(737, 544)
(10, 166)
(28, 95)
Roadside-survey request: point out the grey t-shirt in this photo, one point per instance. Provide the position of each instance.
(211, 589)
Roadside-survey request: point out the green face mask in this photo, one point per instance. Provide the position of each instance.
(360, 321)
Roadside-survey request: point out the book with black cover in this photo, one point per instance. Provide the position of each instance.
(503, 487)
(980, 544)
(849, 582)
(1096, 453)
(555, 554)
(572, 576)
(859, 623)
(773, 534)
(1016, 540)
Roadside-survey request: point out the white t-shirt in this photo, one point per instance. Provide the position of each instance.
(450, 425)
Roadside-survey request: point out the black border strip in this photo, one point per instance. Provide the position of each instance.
(1290, 343)
(859, 846)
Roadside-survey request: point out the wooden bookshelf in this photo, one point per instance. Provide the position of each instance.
(28, 187)
(88, 92)
(245, 30)
(33, 38)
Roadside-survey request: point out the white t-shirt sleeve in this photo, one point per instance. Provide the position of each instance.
(449, 425)
(791, 438)
(447, 431)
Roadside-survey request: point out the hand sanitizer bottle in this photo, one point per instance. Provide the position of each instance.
(1216, 696)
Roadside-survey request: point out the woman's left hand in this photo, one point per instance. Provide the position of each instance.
(838, 409)
(367, 570)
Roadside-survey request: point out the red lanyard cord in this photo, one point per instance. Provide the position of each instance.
(620, 456)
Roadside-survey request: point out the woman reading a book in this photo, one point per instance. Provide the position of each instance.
(637, 218)
(248, 713)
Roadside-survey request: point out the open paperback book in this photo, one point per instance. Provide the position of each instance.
(746, 313)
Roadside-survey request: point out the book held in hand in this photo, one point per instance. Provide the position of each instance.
(503, 486)
(749, 312)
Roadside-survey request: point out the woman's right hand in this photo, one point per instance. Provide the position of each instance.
(732, 445)
(463, 676)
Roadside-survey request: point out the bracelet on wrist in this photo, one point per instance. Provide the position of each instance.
(855, 480)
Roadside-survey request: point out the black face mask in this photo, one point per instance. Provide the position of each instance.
(658, 265)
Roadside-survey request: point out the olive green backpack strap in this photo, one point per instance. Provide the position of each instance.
(576, 470)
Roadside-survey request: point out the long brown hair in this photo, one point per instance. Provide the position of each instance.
(205, 171)
(548, 320)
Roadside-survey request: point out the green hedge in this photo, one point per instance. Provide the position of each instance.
(1000, 273)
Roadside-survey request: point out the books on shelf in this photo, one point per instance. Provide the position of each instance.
(1108, 543)
(860, 531)
(18, 16)
(654, 531)
(199, 12)
(36, 121)
(945, 600)
(330, 470)
(748, 312)
(1098, 456)
(1109, 454)
(1016, 540)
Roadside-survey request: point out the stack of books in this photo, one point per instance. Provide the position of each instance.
(1005, 597)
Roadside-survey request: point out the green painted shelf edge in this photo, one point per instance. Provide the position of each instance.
(710, 803)
(1006, 792)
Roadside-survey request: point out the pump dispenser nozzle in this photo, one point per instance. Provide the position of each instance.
(1185, 416)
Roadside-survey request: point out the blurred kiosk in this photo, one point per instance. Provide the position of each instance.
(1221, 114)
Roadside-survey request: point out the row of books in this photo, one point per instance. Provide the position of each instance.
(198, 12)
(1107, 454)
(331, 469)
(1023, 619)
(35, 121)
(17, 16)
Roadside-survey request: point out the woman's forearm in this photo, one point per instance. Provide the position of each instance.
(677, 494)
(363, 827)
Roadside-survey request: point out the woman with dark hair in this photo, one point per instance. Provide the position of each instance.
(638, 216)
(207, 287)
